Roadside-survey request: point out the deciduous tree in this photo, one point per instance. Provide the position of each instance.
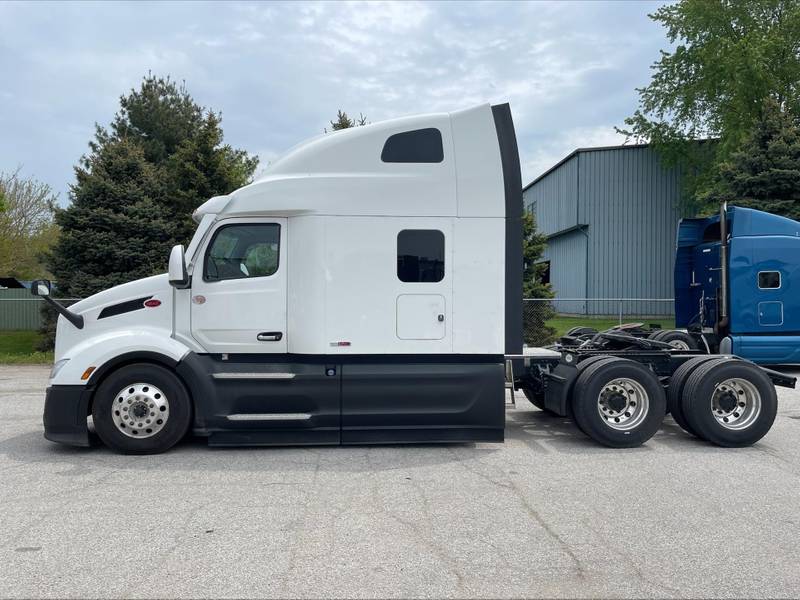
(727, 58)
(26, 225)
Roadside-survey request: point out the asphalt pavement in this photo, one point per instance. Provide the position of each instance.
(547, 514)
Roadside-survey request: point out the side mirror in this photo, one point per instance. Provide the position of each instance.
(41, 287)
(178, 277)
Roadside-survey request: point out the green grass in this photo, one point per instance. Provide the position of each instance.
(562, 324)
(19, 348)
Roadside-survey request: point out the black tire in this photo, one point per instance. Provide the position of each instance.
(655, 334)
(533, 398)
(586, 411)
(678, 338)
(677, 383)
(582, 366)
(587, 362)
(171, 392)
(708, 380)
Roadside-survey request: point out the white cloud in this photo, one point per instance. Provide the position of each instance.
(279, 71)
(550, 151)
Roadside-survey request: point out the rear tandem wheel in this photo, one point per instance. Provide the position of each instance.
(675, 391)
(618, 402)
(730, 402)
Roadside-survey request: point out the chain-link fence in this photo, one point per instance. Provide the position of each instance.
(545, 320)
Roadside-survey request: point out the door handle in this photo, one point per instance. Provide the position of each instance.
(270, 336)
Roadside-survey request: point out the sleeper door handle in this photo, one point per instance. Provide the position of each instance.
(270, 336)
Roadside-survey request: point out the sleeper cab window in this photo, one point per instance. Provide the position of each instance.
(769, 280)
(420, 255)
(418, 146)
(242, 251)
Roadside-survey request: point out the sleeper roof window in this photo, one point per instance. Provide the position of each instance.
(418, 146)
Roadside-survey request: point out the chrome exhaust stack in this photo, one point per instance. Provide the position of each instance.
(722, 318)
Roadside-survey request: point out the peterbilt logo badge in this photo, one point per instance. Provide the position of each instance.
(199, 299)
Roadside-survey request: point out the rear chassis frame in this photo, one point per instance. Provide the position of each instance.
(549, 381)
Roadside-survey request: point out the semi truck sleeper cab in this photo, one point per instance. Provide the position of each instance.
(367, 289)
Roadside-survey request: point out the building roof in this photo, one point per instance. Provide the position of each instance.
(11, 283)
(579, 151)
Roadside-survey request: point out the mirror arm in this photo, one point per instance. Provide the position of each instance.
(75, 319)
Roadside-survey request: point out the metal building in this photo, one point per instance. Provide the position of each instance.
(18, 309)
(610, 215)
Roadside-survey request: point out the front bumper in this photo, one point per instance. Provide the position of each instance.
(65, 412)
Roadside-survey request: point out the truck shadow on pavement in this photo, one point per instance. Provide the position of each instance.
(548, 433)
(540, 432)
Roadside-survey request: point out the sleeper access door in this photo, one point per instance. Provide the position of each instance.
(416, 389)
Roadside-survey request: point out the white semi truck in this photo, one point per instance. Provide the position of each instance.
(367, 289)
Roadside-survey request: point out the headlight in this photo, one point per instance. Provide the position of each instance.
(57, 366)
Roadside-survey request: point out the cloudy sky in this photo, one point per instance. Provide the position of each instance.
(278, 72)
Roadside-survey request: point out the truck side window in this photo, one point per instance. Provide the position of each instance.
(239, 251)
(418, 146)
(769, 280)
(420, 255)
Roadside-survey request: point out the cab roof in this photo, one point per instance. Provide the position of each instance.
(439, 164)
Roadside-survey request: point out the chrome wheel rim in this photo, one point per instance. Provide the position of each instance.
(623, 404)
(140, 410)
(679, 345)
(736, 403)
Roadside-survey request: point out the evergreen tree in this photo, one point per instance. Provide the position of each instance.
(202, 167)
(345, 122)
(114, 231)
(765, 172)
(159, 159)
(536, 331)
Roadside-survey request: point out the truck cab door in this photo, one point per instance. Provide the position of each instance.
(238, 299)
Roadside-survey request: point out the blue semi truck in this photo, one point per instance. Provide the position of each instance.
(735, 307)
(734, 294)
(737, 286)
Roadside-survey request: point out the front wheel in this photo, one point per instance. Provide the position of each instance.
(730, 402)
(618, 403)
(141, 409)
